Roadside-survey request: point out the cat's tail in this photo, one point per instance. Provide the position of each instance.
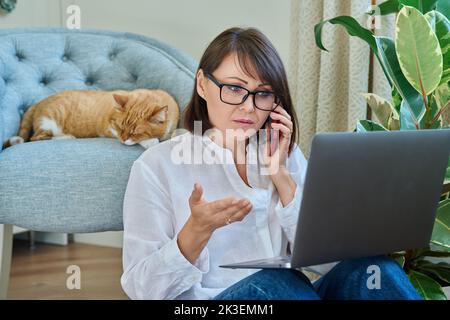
(26, 127)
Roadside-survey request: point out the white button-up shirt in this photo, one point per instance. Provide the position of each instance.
(156, 207)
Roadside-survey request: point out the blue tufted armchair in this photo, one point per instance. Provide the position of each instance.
(73, 186)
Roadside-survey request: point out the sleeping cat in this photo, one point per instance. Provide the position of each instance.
(140, 116)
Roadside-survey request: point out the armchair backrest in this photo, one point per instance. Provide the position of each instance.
(38, 62)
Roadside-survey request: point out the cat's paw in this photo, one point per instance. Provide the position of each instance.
(15, 140)
(149, 143)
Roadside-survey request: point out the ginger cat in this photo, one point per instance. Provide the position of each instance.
(140, 116)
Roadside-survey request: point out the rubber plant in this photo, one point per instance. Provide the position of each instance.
(7, 5)
(417, 66)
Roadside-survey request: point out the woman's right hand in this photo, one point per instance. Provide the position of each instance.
(205, 218)
(209, 216)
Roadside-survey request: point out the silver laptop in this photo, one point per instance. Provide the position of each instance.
(366, 194)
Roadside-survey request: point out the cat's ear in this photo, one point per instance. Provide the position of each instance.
(121, 101)
(159, 115)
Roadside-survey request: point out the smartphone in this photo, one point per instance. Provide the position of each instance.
(273, 136)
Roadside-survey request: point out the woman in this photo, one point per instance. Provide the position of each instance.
(220, 193)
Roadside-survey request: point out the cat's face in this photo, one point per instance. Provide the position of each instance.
(138, 119)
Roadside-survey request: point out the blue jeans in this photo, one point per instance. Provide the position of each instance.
(348, 280)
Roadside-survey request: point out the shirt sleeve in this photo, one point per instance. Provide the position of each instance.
(154, 267)
(288, 215)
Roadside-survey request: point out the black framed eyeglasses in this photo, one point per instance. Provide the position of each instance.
(235, 95)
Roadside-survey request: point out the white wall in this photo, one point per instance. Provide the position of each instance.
(108, 239)
(187, 25)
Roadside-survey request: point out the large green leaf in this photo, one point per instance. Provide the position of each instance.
(422, 5)
(430, 264)
(426, 286)
(351, 25)
(432, 253)
(436, 247)
(388, 58)
(387, 7)
(442, 95)
(443, 6)
(392, 6)
(441, 230)
(367, 126)
(418, 50)
(407, 120)
(399, 257)
(442, 276)
(396, 99)
(383, 110)
(394, 122)
(354, 29)
(438, 271)
(441, 27)
(384, 50)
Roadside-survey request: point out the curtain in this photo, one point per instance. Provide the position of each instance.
(327, 87)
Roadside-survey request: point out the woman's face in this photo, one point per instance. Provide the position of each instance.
(224, 116)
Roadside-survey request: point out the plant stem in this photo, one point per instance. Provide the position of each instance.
(425, 100)
(407, 264)
(439, 113)
(427, 112)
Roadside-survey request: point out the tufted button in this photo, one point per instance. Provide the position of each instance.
(134, 77)
(44, 81)
(112, 56)
(65, 57)
(89, 81)
(19, 56)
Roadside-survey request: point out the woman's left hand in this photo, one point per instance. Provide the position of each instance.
(277, 161)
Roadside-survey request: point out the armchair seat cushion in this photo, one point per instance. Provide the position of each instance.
(74, 185)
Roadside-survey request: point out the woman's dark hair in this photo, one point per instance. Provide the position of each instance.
(256, 54)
